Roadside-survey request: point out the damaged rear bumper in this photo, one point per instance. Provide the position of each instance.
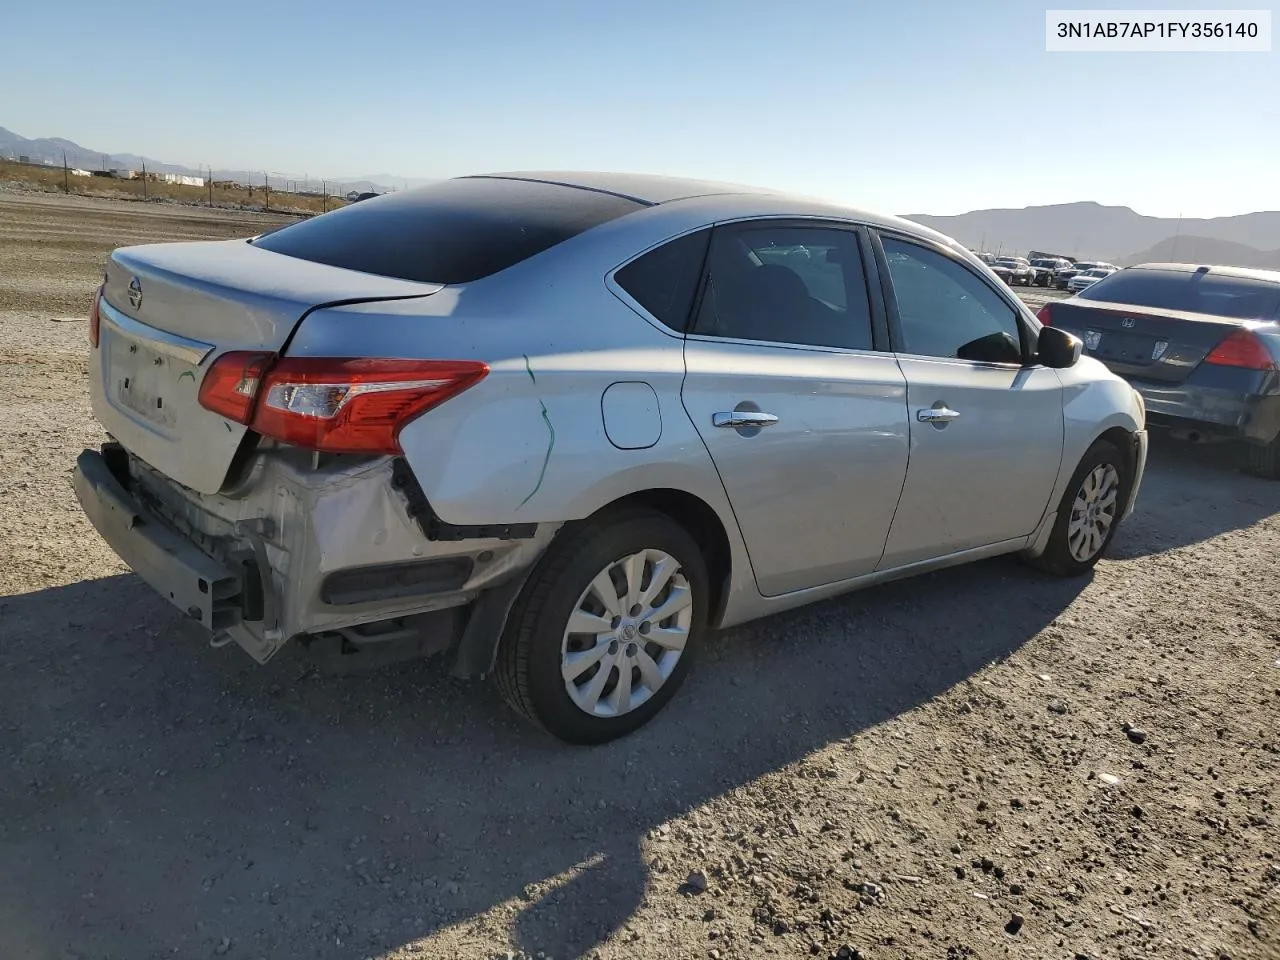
(232, 594)
(198, 585)
(298, 549)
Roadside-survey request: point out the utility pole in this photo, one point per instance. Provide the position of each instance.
(211, 186)
(144, 179)
(266, 192)
(324, 193)
(66, 183)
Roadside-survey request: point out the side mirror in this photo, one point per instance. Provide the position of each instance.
(1059, 349)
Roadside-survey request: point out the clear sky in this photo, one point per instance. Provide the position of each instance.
(907, 106)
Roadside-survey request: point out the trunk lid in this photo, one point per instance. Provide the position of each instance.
(169, 310)
(1145, 343)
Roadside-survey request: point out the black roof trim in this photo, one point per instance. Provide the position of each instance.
(561, 183)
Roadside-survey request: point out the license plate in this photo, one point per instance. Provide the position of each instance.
(1130, 348)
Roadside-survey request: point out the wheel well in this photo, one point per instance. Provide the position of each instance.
(703, 524)
(1122, 439)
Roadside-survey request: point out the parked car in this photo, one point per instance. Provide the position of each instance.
(561, 425)
(1046, 268)
(1002, 270)
(1200, 343)
(1020, 270)
(1088, 278)
(1062, 277)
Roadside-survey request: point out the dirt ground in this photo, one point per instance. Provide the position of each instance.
(939, 768)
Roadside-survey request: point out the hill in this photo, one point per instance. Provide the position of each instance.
(1092, 230)
(1205, 250)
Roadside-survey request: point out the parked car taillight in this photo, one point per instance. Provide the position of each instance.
(1045, 314)
(1242, 348)
(337, 405)
(95, 316)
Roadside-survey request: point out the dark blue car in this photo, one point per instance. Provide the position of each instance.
(1201, 344)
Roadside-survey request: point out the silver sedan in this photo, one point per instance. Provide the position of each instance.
(561, 425)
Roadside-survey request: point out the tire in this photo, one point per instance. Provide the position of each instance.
(1263, 459)
(536, 645)
(1059, 557)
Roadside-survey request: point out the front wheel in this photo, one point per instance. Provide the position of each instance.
(604, 632)
(1088, 513)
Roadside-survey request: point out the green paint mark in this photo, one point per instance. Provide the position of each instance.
(551, 441)
(187, 373)
(227, 425)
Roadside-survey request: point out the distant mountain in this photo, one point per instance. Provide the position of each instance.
(53, 149)
(391, 180)
(1093, 231)
(1205, 250)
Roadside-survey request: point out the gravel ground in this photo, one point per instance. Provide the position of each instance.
(978, 763)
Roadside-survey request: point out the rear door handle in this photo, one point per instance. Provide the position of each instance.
(742, 418)
(937, 415)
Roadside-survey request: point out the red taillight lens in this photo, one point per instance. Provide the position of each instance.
(354, 405)
(1045, 315)
(1242, 348)
(95, 316)
(230, 386)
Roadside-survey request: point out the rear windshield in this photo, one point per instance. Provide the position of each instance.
(1238, 297)
(454, 231)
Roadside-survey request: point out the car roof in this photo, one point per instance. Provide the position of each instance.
(646, 188)
(655, 190)
(1246, 273)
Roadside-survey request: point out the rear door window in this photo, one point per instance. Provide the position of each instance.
(454, 231)
(796, 285)
(1240, 298)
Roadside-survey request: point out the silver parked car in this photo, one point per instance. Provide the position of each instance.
(561, 425)
(1087, 278)
(1020, 270)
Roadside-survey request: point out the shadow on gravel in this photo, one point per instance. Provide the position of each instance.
(161, 796)
(1192, 493)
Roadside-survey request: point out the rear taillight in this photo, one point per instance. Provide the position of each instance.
(230, 386)
(95, 316)
(1242, 348)
(333, 404)
(1045, 314)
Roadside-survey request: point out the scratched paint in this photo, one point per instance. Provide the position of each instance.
(551, 437)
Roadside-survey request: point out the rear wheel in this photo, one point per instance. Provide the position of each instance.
(1263, 459)
(1088, 513)
(605, 630)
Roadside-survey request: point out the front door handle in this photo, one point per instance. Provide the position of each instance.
(742, 418)
(937, 415)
